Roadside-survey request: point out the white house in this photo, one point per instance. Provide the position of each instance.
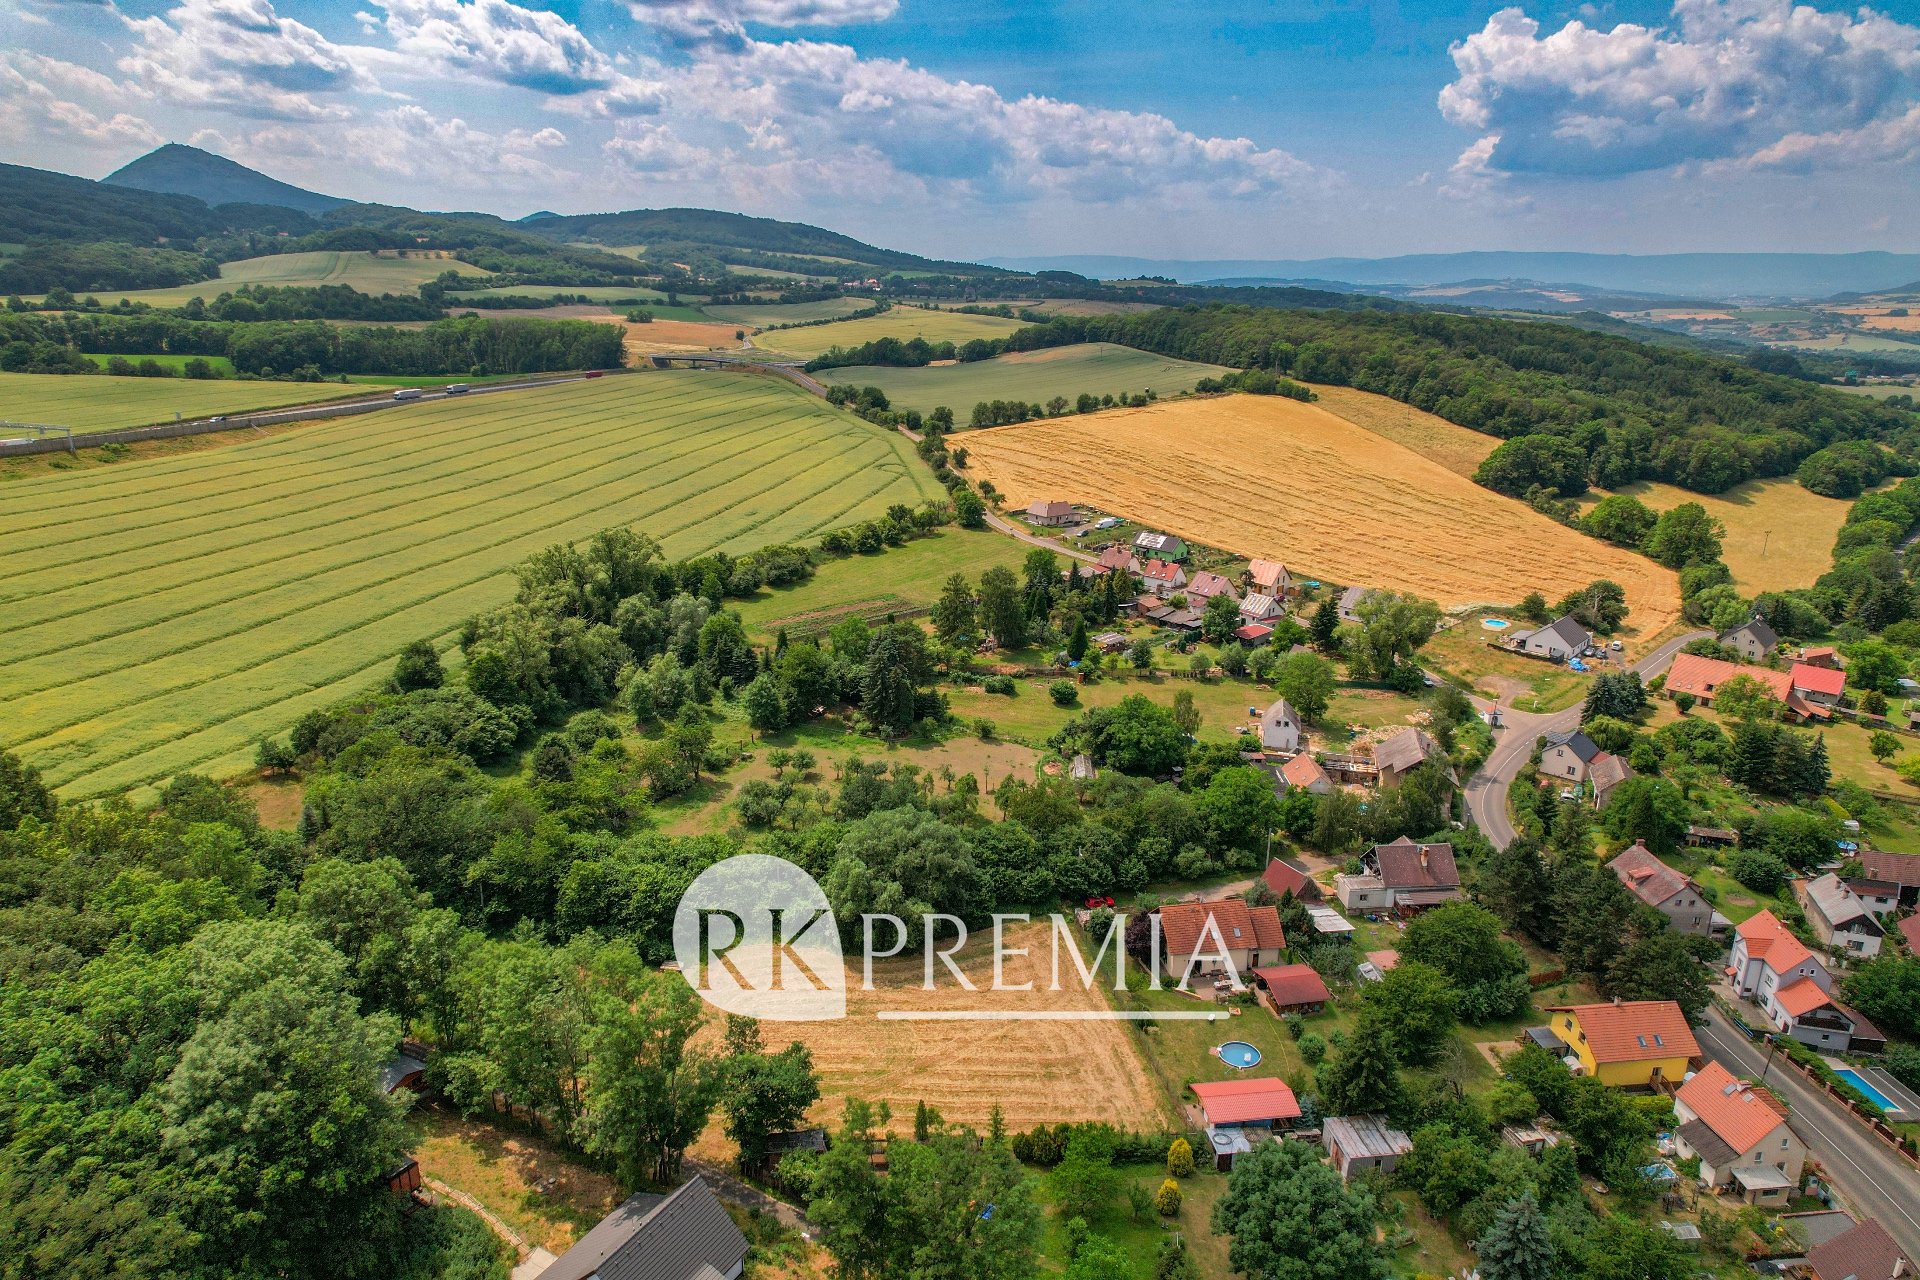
(1740, 1135)
(1258, 608)
(1280, 727)
(1776, 971)
(1567, 756)
(1840, 919)
(1562, 640)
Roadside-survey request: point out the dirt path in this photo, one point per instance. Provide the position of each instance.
(531, 1260)
(732, 1189)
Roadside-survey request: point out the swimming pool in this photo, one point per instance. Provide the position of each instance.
(1238, 1053)
(1859, 1082)
(1495, 624)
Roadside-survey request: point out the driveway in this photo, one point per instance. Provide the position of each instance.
(1487, 790)
(1875, 1182)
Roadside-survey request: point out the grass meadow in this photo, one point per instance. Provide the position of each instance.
(759, 315)
(1036, 377)
(1779, 535)
(90, 402)
(162, 616)
(903, 323)
(368, 272)
(897, 580)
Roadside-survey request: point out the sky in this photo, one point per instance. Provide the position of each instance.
(999, 128)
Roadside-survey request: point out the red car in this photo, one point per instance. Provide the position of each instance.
(595, 373)
(1095, 903)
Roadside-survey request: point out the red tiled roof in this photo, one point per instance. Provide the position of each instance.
(1902, 869)
(1700, 675)
(1252, 631)
(1818, 679)
(1801, 998)
(1738, 1113)
(1910, 930)
(1208, 583)
(1161, 571)
(1284, 877)
(1768, 941)
(1406, 865)
(1291, 984)
(1183, 926)
(1635, 1030)
(1646, 877)
(1303, 771)
(1118, 558)
(1866, 1252)
(1267, 573)
(1239, 1101)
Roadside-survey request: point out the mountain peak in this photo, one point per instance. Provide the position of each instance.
(176, 168)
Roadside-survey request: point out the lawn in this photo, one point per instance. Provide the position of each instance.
(1461, 650)
(385, 271)
(190, 605)
(1099, 368)
(220, 364)
(97, 402)
(900, 579)
(1268, 476)
(1030, 715)
(541, 1194)
(1779, 535)
(899, 322)
(1142, 1238)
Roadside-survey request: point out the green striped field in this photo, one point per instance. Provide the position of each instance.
(1036, 377)
(101, 402)
(162, 616)
(369, 272)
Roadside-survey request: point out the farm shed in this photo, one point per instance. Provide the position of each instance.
(1292, 988)
(1363, 1144)
(1238, 1113)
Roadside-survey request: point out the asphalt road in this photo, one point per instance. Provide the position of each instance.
(1487, 790)
(1875, 1182)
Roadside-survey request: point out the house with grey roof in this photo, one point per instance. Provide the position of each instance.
(1752, 639)
(1558, 642)
(1604, 773)
(1159, 546)
(683, 1236)
(1844, 923)
(1399, 754)
(1350, 601)
(1672, 894)
(1280, 727)
(1566, 757)
(1052, 513)
(1363, 1144)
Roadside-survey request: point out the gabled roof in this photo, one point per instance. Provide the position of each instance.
(1700, 675)
(1118, 558)
(1242, 1101)
(1404, 750)
(1769, 942)
(1801, 998)
(1050, 510)
(1607, 771)
(1294, 984)
(1902, 869)
(1818, 679)
(1820, 653)
(1646, 877)
(1162, 571)
(1831, 897)
(683, 1236)
(1365, 1137)
(1910, 930)
(1258, 605)
(1252, 631)
(1267, 573)
(1865, 1253)
(1352, 597)
(1708, 1145)
(1208, 583)
(1156, 541)
(1583, 747)
(1406, 865)
(1634, 1030)
(1284, 877)
(1572, 636)
(1304, 771)
(1758, 628)
(1280, 711)
(1183, 927)
(1737, 1112)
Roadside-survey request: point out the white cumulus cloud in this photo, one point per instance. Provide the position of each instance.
(529, 48)
(49, 98)
(1723, 81)
(242, 56)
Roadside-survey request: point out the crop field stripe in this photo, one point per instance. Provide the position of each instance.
(375, 444)
(95, 721)
(220, 693)
(151, 657)
(517, 466)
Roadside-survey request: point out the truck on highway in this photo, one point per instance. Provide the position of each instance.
(408, 393)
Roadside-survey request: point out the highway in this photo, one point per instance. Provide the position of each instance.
(1874, 1181)
(1487, 790)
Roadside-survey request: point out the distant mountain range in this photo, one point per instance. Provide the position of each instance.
(178, 169)
(1682, 275)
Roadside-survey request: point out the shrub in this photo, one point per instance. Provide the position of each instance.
(1064, 693)
(1000, 684)
(274, 755)
(1180, 1159)
(1312, 1048)
(1296, 1025)
(983, 729)
(1169, 1198)
(1758, 870)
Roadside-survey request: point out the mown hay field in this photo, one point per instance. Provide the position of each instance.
(1265, 476)
(1779, 535)
(899, 580)
(1101, 368)
(1037, 1072)
(366, 271)
(904, 323)
(100, 402)
(164, 615)
(1459, 449)
(758, 315)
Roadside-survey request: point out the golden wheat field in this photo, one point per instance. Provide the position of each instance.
(1264, 476)
(1779, 535)
(1459, 449)
(1037, 1072)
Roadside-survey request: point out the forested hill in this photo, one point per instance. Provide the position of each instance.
(1632, 411)
(189, 171)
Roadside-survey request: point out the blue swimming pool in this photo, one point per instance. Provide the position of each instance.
(1859, 1082)
(1495, 624)
(1238, 1053)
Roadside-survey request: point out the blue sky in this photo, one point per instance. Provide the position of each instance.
(1253, 128)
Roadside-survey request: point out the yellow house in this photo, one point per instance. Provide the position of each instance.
(1627, 1043)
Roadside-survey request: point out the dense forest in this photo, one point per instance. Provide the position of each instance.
(1633, 411)
(42, 342)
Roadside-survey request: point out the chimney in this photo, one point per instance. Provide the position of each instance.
(1423, 857)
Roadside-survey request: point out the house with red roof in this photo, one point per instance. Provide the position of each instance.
(1270, 578)
(1626, 1043)
(1819, 685)
(1822, 655)
(1202, 937)
(1793, 987)
(1283, 877)
(1673, 895)
(1292, 988)
(1701, 677)
(1163, 577)
(1206, 584)
(1238, 1113)
(1305, 772)
(1253, 634)
(1119, 560)
(1740, 1134)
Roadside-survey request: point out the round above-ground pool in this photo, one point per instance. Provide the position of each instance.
(1238, 1053)
(1495, 624)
